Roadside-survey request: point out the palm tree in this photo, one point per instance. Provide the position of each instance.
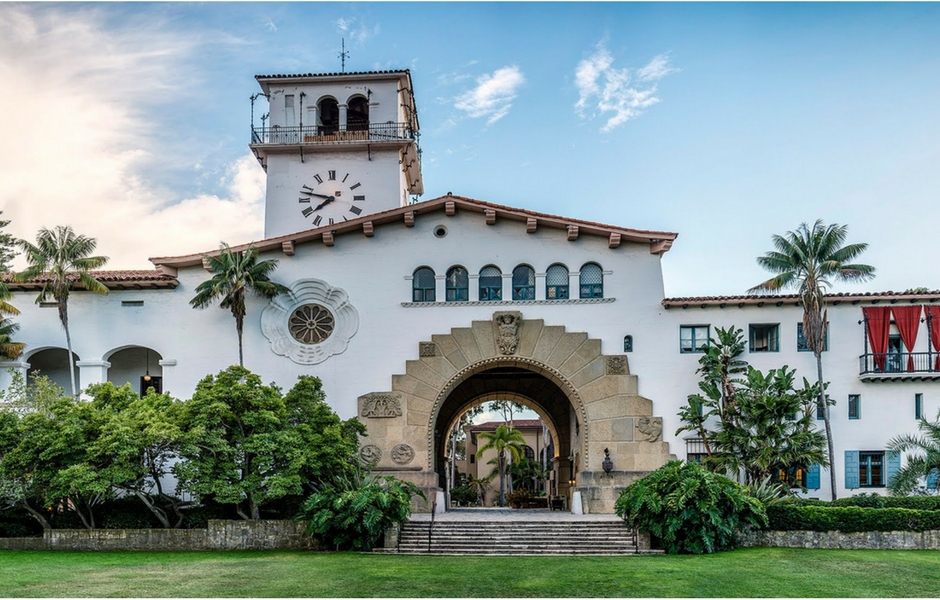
(480, 484)
(235, 275)
(918, 465)
(811, 259)
(9, 349)
(60, 261)
(502, 440)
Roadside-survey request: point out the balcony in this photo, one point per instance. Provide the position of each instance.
(320, 135)
(899, 366)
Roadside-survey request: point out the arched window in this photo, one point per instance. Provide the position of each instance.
(491, 283)
(328, 113)
(556, 282)
(357, 114)
(628, 343)
(422, 285)
(528, 452)
(458, 285)
(592, 281)
(523, 283)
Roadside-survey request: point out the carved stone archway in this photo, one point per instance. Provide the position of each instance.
(404, 423)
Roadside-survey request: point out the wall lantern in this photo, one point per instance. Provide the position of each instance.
(147, 375)
(607, 464)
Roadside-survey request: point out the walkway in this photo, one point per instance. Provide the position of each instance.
(491, 514)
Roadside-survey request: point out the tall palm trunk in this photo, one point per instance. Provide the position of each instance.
(239, 324)
(64, 318)
(825, 405)
(502, 479)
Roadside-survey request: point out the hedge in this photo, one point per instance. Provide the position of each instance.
(850, 519)
(876, 501)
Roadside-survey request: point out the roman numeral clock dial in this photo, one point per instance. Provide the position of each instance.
(330, 197)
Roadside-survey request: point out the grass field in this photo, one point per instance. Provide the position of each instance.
(753, 572)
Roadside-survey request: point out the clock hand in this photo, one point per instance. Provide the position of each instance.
(325, 202)
(312, 194)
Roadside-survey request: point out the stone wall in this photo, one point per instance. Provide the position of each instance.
(870, 540)
(219, 535)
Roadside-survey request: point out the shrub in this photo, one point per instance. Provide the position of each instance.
(861, 500)
(353, 512)
(517, 497)
(463, 494)
(849, 519)
(688, 509)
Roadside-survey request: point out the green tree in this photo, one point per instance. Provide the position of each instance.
(757, 425)
(7, 248)
(810, 260)
(246, 445)
(503, 440)
(924, 463)
(50, 464)
(61, 260)
(235, 275)
(9, 349)
(688, 509)
(353, 511)
(136, 442)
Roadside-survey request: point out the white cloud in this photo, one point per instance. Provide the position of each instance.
(492, 97)
(357, 31)
(604, 89)
(80, 141)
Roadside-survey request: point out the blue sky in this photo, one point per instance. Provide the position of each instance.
(726, 123)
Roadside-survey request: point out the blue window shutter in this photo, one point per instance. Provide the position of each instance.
(812, 477)
(851, 469)
(894, 465)
(932, 479)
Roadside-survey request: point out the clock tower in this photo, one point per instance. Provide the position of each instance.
(336, 146)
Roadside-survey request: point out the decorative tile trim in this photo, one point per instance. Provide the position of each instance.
(507, 302)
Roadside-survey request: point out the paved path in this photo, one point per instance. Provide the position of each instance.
(489, 514)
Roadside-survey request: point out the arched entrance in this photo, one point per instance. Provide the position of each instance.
(521, 381)
(590, 399)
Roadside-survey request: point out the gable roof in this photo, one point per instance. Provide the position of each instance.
(658, 241)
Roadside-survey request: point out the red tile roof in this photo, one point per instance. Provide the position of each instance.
(517, 424)
(113, 280)
(661, 240)
(794, 299)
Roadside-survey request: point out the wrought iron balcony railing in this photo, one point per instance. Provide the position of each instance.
(899, 363)
(318, 134)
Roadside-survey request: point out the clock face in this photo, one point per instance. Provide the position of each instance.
(330, 197)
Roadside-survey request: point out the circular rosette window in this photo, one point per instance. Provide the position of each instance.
(311, 323)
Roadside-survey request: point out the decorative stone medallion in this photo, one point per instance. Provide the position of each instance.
(402, 454)
(378, 406)
(507, 327)
(370, 454)
(427, 349)
(616, 365)
(650, 428)
(311, 323)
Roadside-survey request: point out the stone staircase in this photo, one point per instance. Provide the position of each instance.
(520, 537)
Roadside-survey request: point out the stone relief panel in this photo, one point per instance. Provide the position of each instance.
(616, 365)
(370, 454)
(427, 349)
(650, 429)
(402, 454)
(507, 331)
(381, 406)
(311, 323)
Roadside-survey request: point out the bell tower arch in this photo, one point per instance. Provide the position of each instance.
(336, 146)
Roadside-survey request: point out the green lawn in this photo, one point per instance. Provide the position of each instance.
(753, 572)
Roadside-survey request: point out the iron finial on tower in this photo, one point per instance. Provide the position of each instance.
(343, 55)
